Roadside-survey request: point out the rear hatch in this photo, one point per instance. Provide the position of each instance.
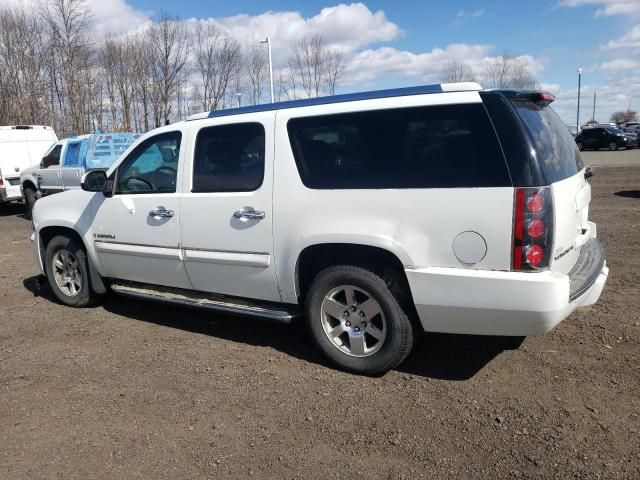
(560, 166)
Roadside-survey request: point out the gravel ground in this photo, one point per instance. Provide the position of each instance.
(138, 390)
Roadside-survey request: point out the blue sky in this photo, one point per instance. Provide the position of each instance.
(400, 43)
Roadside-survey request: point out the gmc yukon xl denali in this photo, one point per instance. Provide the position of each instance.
(375, 216)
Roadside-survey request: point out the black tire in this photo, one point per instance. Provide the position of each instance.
(580, 146)
(30, 198)
(85, 295)
(613, 146)
(399, 337)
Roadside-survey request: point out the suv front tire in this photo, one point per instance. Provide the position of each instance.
(356, 321)
(67, 270)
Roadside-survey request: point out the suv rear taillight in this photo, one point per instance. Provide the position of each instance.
(1, 181)
(532, 229)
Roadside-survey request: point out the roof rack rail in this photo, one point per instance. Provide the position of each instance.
(348, 97)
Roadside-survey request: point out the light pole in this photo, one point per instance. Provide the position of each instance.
(268, 42)
(593, 117)
(578, 113)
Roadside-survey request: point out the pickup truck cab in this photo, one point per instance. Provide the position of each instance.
(21, 146)
(375, 216)
(64, 163)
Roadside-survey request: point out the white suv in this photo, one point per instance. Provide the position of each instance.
(376, 216)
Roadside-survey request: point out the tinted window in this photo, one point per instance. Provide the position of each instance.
(152, 167)
(53, 157)
(229, 158)
(440, 146)
(555, 148)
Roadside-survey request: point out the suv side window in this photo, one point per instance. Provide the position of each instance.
(420, 147)
(152, 167)
(229, 158)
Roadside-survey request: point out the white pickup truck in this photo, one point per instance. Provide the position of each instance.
(375, 216)
(63, 165)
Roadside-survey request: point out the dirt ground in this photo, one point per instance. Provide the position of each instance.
(139, 390)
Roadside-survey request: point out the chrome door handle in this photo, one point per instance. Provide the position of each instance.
(249, 213)
(161, 212)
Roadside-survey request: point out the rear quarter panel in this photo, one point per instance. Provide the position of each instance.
(417, 225)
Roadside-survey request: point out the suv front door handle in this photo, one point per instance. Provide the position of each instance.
(249, 213)
(161, 212)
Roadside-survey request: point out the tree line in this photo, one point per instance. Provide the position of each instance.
(504, 71)
(53, 71)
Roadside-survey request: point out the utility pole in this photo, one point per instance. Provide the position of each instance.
(578, 113)
(268, 42)
(593, 117)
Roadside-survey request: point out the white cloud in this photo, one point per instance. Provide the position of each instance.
(550, 87)
(606, 7)
(630, 40)
(110, 17)
(619, 64)
(115, 17)
(463, 17)
(344, 27)
(424, 67)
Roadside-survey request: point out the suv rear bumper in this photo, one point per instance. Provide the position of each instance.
(481, 302)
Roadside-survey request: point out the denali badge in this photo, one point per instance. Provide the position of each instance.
(562, 254)
(104, 235)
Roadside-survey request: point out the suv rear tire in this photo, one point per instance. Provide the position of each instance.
(356, 321)
(67, 270)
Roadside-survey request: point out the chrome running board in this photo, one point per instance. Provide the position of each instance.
(209, 301)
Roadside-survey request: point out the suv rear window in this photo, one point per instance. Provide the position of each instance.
(423, 147)
(555, 148)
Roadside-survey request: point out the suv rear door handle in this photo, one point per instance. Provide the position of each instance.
(161, 212)
(249, 213)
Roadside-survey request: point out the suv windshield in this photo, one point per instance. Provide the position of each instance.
(554, 146)
(614, 130)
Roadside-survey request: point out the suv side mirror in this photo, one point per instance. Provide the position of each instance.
(49, 161)
(94, 181)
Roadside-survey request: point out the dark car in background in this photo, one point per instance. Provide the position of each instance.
(602, 137)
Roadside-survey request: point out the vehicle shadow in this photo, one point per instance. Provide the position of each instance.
(11, 209)
(437, 356)
(628, 193)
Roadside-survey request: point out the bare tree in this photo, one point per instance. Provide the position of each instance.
(169, 42)
(217, 61)
(509, 71)
(256, 69)
(68, 24)
(315, 66)
(334, 67)
(624, 116)
(455, 71)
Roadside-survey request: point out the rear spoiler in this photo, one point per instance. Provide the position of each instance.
(542, 98)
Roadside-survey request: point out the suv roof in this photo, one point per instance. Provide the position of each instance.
(349, 97)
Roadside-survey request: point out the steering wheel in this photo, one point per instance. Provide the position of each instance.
(126, 182)
(172, 171)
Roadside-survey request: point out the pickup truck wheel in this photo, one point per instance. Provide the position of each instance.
(68, 273)
(30, 198)
(356, 321)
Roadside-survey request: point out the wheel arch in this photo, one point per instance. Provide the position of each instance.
(46, 234)
(314, 258)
